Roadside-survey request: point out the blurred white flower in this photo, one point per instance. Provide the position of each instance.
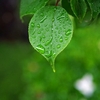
(85, 85)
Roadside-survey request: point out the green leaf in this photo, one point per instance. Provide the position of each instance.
(95, 7)
(29, 7)
(79, 8)
(50, 31)
(67, 7)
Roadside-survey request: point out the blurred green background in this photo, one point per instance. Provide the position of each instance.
(26, 75)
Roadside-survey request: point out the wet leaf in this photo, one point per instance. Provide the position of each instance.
(95, 7)
(50, 31)
(29, 7)
(79, 8)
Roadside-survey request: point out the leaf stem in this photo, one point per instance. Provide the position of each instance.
(57, 2)
(52, 61)
(53, 67)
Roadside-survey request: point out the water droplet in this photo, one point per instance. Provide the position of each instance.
(32, 24)
(52, 29)
(48, 54)
(48, 41)
(54, 54)
(40, 49)
(60, 17)
(68, 32)
(58, 46)
(43, 36)
(38, 25)
(61, 39)
(43, 19)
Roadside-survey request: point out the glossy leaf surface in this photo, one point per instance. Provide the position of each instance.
(79, 8)
(95, 7)
(50, 31)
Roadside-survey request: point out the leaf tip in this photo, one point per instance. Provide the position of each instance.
(54, 70)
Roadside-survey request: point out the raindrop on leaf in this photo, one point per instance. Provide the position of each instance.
(43, 19)
(38, 25)
(48, 41)
(61, 39)
(40, 49)
(68, 32)
(32, 24)
(58, 46)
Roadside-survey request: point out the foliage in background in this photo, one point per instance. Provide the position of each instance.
(25, 75)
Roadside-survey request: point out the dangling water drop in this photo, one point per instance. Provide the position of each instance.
(54, 70)
(40, 49)
(61, 39)
(32, 24)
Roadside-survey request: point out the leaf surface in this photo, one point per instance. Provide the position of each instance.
(79, 8)
(95, 7)
(50, 31)
(28, 7)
